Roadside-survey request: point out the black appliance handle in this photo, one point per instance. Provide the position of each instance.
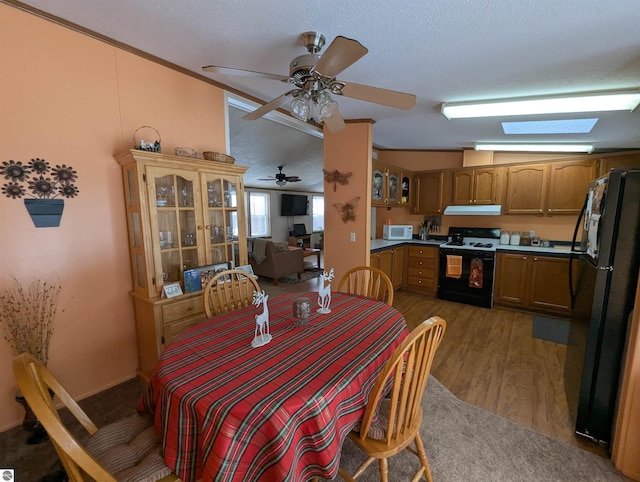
(572, 252)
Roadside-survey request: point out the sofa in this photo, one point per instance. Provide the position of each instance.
(275, 260)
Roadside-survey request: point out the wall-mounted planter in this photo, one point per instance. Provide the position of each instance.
(45, 213)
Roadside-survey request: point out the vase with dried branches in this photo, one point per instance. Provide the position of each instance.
(27, 314)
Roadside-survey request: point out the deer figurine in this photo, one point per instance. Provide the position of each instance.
(324, 292)
(262, 320)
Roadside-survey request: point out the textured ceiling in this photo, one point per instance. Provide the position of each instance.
(442, 51)
(264, 144)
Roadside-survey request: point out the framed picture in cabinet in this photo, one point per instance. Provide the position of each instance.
(171, 290)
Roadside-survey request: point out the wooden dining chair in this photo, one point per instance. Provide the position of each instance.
(392, 419)
(228, 291)
(128, 449)
(369, 282)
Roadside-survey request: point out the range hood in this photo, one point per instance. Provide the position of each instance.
(474, 210)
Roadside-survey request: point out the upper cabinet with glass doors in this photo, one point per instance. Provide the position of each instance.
(390, 186)
(182, 213)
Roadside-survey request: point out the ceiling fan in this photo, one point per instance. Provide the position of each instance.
(281, 178)
(314, 77)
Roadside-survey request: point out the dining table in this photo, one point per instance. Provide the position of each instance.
(226, 411)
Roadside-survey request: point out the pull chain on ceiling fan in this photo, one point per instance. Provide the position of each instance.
(314, 76)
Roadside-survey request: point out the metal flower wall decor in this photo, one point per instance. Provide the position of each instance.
(38, 180)
(40, 184)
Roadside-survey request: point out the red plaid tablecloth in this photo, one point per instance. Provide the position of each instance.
(228, 412)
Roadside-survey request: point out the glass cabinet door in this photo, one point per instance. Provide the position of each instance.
(393, 187)
(175, 222)
(222, 228)
(405, 189)
(377, 187)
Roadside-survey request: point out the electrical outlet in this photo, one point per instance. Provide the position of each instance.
(352, 237)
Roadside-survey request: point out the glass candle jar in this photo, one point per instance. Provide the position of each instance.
(301, 310)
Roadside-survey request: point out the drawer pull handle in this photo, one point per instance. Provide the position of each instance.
(190, 308)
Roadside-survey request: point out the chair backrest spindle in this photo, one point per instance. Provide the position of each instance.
(228, 291)
(369, 282)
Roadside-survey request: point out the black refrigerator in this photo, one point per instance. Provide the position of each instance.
(603, 276)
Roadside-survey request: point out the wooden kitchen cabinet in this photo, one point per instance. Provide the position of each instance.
(398, 266)
(432, 192)
(629, 161)
(422, 268)
(526, 189)
(549, 188)
(391, 262)
(386, 185)
(182, 213)
(474, 186)
(533, 283)
(568, 183)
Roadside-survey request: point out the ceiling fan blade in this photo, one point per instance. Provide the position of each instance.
(342, 53)
(391, 98)
(274, 104)
(334, 122)
(243, 73)
(292, 179)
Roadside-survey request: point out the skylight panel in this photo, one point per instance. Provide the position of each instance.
(571, 126)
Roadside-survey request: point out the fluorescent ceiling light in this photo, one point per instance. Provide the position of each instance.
(538, 147)
(569, 126)
(584, 102)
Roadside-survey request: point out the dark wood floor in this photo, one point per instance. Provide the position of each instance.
(489, 358)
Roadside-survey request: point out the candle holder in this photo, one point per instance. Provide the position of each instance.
(301, 310)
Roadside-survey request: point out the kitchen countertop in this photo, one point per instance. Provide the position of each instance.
(380, 244)
(559, 249)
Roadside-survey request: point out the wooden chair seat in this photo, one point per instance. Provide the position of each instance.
(127, 450)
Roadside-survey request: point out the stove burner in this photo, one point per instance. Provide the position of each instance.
(482, 245)
(455, 243)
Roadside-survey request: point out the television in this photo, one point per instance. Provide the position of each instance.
(293, 205)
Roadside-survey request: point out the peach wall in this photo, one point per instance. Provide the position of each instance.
(71, 99)
(348, 150)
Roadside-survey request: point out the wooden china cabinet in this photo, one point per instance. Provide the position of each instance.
(182, 213)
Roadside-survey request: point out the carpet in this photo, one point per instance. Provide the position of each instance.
(463, 443)
(308, 273)
(466, 443)
(551, 329)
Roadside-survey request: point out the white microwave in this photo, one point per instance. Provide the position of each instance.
(397, 232)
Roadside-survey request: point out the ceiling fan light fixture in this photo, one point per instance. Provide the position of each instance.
(281, 182)
(300, 108)
(326, 106)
